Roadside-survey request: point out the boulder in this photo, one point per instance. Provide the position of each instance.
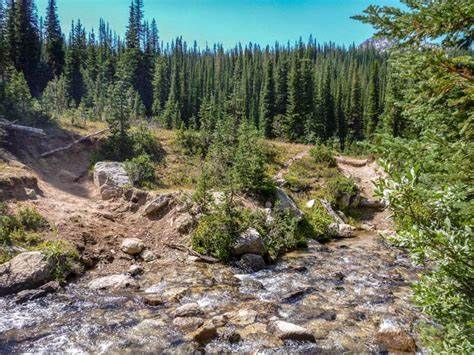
(110, 173)
(152, 299)
(30, 295)
(132, 246)
(372, 204)
(290, 331)
(206, 333)
(25, 271)
(147, 255)
(249, 242)
(183, 223)
(244, 317)
(394, 337)
(252, 262)
(284, 202)
(187, 310)
(159, 205)
(113, 282)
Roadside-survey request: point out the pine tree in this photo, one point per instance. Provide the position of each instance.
(267, 101)
(26, 42)
(281, 96)
(3, 44)
(75, 58)
(160, 85)
(294, 120)
(373, 107)
(54, 43)
(341, 120)
(355, 118)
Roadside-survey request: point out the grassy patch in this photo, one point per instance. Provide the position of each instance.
(61, 254)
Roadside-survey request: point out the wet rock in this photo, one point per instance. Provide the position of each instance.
(206, 333)
(147, 255)
(25, 271)
(184, 223)
(159, 205)
(187, 310)
(188, 324)
(252, 263)
(249, 242)
(229, 334)
(244, 317)
(174, 294)
(394, 337)
(341, 230)
(135, 270)
(284, 202)
(290, 331)
(110, 174)
(132, 246)
(152, 299)
(113, 282)
(29, 295)
(255, 328)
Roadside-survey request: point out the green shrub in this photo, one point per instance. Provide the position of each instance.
(8, 224)
(61, 254)
(31, 219)
(141, 170)
(322, 154)
(319, 220)
(24, 238)
(192, 142)
(215, 234)
(144, 142)
(340, 185)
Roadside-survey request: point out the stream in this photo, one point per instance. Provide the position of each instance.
(340, 291)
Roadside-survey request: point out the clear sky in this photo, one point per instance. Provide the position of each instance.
(229, 22)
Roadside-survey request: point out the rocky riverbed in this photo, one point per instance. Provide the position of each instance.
(349, 295)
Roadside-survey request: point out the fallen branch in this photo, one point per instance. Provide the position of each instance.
(69, 146)
(181, 247)
(25, 129)
(352, 162)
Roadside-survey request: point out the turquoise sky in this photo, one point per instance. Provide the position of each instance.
(228, 22)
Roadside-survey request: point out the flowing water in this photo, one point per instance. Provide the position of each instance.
(340, 291)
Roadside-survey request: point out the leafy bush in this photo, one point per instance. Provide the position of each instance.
(319, 220)
(192, 142)
(8, 224)
(322, 154)
(141, 170)
(215, 234)
(340, 185)
(61, 254)
(31, 219)
(144, 142)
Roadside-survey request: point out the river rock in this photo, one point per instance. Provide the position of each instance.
(113, 282)
(205, 333)
(132, 246)
(188, 324)
(135, 270)
(284, 202)
(153, 299)
(394, 337)
(187, 310)
(341, 230)
(252, 262)
(249, 242)
(147, 255)
(290, 331)
(30, 295)
(372, 204)
(244, 317)
(25, 271)
(159, 205)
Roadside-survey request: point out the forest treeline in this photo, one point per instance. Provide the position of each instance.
(302, 91)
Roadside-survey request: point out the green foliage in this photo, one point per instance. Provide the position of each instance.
(141, 170)
(318, 220)
(61, 254)
(192, 142)
(55, 99)
(143, 142)
(428, 149)
(322, 154)
(31, 219)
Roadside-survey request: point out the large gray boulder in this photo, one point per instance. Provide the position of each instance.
(25, 271)
(284, 202)
(249, 242)
(110, 178)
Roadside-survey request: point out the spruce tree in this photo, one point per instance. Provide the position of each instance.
(355, 119)
(75, 58)
(281, 95)
(373, 107)
(294, 119)
(54, 43)
(267, 101)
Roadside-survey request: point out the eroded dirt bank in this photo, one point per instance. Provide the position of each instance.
(349, 295)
